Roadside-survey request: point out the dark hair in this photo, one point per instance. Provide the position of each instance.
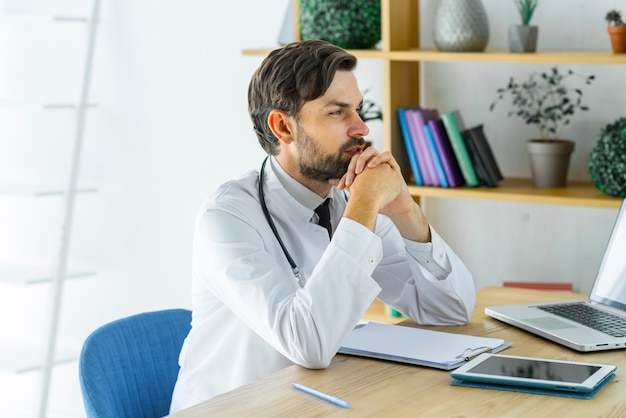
(289, 77)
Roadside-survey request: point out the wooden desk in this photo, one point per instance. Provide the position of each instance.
(377, 388)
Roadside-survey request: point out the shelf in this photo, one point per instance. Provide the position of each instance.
(377, 312)
(32, 274)
(35, 190)
(549, 57)
(22, 358)
(4, 103)
(9, 18)
(416, 55)
(577, 193)
(359, 53)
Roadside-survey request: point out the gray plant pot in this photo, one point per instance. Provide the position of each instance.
(523, 38)
(549, 161)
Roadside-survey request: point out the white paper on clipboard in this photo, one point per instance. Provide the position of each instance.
(442, 350)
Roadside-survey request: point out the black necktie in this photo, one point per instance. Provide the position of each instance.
(323, 212)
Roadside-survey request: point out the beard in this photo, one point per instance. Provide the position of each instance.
(316, 165)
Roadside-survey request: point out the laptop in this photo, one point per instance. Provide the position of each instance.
(581, 324)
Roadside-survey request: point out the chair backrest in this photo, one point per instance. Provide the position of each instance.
(128, 367)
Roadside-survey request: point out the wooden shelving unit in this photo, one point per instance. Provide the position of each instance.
(401, 57)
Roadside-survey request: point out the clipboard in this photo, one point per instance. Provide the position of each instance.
(421, 347)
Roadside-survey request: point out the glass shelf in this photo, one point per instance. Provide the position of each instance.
(21, 19)
(24, 357)
(38, 190)
(36, 105)
(26, 274)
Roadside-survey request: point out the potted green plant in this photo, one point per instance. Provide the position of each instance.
(370, 110)
(607, 160)
(523, 38)
(347, 24)
(547, 101)
(617, 31)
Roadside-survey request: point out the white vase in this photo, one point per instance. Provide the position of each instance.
(461, 26)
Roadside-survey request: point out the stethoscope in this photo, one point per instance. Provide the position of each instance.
(268, 217)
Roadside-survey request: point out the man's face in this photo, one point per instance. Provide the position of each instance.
(330, 130)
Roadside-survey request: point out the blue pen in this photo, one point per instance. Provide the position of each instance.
(332, 399)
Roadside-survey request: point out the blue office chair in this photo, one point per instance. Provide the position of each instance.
(128, 367)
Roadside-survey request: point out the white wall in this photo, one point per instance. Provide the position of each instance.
(172, 124)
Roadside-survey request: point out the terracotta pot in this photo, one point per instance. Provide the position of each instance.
(549, 161)
(618, 38)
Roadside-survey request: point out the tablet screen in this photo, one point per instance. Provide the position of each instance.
(534, 369)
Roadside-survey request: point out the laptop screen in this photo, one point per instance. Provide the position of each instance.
(610, 285)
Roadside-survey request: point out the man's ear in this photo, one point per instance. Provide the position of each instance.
(281, 125)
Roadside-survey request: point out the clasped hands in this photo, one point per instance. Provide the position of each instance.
(376, 186)
(376, 177)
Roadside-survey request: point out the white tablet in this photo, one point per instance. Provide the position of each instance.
(534, 372)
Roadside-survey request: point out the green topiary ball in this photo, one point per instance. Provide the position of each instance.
(607, 161)
(350, 24)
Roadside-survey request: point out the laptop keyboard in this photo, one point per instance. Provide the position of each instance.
(589, 316)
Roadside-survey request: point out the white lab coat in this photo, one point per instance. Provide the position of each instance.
(250, 316)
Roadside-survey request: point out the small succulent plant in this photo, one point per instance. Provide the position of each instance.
(526, 8)
(614, 18)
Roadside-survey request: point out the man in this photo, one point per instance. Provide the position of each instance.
(264, 300)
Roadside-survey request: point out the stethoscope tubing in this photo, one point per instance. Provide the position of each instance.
(268, 217)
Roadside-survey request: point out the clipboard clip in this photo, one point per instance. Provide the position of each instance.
(470, 353)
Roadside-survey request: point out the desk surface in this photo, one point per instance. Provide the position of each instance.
(382, 388)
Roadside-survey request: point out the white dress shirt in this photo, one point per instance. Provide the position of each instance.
(250, 315)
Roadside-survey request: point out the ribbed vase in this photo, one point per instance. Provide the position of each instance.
(461, 26)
